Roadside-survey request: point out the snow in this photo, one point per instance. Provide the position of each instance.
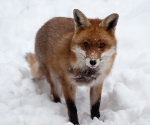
(126, 91)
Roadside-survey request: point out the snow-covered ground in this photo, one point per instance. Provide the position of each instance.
(126, 91)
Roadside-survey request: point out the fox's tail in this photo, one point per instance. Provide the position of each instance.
(36, 70)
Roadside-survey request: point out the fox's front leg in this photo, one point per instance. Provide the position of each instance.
(69, 94)
(95, 97)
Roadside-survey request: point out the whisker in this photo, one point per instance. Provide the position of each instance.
(104, 57)
(82, 55)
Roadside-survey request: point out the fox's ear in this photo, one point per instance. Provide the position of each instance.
(80, 20)
(109, 23)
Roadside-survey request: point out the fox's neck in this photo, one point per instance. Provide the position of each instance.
(84, 74)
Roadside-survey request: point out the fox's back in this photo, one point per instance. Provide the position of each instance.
(50, 34)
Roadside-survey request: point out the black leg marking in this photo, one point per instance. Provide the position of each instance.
(95, 110)
(72, 111)
(56, 99)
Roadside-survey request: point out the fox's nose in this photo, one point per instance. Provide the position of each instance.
(92, 62)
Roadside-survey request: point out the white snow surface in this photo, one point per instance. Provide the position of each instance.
(126, 91)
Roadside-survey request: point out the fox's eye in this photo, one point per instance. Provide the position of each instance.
(102, 45)
(86, 45)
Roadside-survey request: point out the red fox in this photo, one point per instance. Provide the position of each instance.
(75, 52)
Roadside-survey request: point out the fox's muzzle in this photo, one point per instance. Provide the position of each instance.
(92, 63)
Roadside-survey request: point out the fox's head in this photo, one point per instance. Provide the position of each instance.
(94, 39)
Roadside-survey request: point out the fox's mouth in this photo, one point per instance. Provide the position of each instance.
(93, 67)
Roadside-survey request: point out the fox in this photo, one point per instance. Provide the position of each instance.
(71, 52)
